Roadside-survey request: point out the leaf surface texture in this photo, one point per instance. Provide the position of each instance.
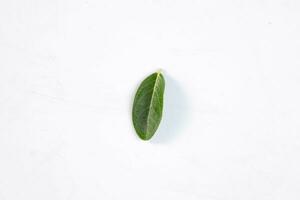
(148, 105)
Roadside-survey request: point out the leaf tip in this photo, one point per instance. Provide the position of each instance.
(159, 71)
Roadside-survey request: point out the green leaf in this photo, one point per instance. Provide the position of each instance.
(148, 105)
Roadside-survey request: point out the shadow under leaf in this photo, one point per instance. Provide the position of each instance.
(174, 113)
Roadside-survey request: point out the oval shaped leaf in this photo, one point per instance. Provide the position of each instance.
(148, 105)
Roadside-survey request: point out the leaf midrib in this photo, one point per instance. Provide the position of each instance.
(151, 101)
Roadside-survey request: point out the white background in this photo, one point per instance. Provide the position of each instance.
(68, 73)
